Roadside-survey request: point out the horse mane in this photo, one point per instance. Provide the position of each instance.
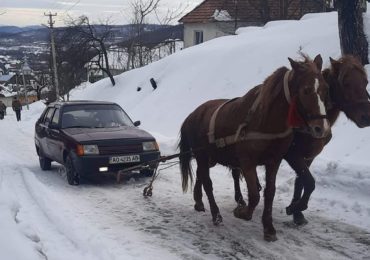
(350, 62)
(273, 84)
(271, 87)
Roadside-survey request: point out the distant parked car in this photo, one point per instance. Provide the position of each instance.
(90, 137)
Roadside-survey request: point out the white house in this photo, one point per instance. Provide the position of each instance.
(215, 18)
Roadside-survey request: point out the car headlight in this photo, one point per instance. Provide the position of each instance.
(87, 149)
(150, 146)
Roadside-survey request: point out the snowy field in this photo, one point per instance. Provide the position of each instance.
(42, 217)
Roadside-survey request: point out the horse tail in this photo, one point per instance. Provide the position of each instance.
(185, 158)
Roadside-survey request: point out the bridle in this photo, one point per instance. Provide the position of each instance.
(305, 116)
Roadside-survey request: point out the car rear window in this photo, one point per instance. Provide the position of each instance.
(94, 116)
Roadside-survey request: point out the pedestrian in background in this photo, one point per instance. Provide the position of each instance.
(17, 107)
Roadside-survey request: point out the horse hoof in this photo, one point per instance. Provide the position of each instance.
(199, 208)
(295, 207)
(270, 237)
(289, 210)
(242, 212)
(299, 219)
(217, 220)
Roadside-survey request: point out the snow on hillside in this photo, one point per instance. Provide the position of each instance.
(42, 217)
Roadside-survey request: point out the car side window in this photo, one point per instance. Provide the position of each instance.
(55, 120)
(49, 115)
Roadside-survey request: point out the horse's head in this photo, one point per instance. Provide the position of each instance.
(308, 91)
(348, 92)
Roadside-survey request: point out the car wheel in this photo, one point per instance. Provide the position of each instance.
(73, 177)
(45, 163)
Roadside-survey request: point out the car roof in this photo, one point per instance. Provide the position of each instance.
(80, 102)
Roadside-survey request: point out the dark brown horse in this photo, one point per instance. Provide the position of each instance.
(347, 81)
(253, 130)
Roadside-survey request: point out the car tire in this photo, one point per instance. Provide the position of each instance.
(73, 177)
(45, 163)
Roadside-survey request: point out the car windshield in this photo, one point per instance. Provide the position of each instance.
(94, 116)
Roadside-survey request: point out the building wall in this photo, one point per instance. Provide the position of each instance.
(8, 100)
(211, 30)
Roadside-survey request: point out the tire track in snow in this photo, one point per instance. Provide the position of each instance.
(171, 222)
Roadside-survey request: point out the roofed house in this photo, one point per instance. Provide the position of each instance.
(215, 18)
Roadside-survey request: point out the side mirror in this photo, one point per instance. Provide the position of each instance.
(137, 123)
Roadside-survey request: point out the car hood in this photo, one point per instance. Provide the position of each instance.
(96, 134)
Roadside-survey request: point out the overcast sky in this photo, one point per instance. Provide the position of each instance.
(31, 12)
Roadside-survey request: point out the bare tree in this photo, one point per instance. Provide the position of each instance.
(262, 7)
(95, 40)
(73, 53)
(42, 79)
(140, 11)
(351, 29)
(139, 53)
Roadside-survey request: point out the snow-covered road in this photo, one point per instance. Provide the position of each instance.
(42, 217)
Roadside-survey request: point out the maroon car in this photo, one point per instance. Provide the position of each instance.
(91, 137)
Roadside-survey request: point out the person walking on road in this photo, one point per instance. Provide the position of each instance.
(2, 110)
(17, 107)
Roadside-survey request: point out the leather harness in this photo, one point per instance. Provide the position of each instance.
(241, 133)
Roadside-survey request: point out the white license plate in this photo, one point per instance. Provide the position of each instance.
(124, 159)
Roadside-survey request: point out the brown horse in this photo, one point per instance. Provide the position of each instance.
(347, 81)
(253, 130)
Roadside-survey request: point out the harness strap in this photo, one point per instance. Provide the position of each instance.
(212, 123)
(241, 133)
(244, 136)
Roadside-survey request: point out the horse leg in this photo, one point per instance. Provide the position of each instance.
(269, 194)
(238, 194)
(304, 181)
(203, 174)
(198, 194)
(246, 212)
(298, 217)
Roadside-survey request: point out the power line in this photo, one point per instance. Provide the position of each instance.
(69, 9)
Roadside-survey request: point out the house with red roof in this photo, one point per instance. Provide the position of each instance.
(215, 18)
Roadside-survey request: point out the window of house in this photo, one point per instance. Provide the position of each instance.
(198, 37)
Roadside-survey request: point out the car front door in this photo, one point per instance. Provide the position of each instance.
(42, 130)
(55, 144)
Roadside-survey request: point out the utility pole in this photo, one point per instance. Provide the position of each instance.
(51, 24)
